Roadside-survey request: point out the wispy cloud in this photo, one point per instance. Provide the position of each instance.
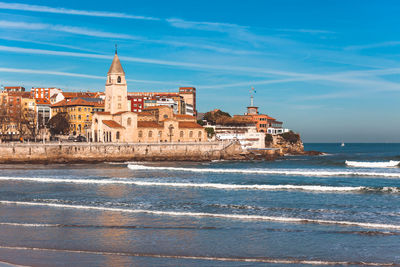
(61, 28)
(310, 31)
(229, 68)
(371, 46)
(60, 10)
(203, 25)
(78, 75)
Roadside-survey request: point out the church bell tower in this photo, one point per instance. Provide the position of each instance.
(116, 88)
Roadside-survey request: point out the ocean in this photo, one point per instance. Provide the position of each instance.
(340, 208)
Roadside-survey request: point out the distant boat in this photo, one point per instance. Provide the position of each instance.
(342, 144)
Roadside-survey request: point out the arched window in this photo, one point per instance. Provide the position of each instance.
(159, 134)
(117, 136)
(129, 122)
(181, 134)
(96, 121)
(191, 134)
(199, 134)
(109, 79)
(165, 116)
(119, 79)
(140, 134)
(150, 134)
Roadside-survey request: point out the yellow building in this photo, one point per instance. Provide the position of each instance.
(79, 112)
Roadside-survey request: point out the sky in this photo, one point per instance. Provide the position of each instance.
(328, 69)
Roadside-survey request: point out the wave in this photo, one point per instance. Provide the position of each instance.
(263, 187)
(212, 215)
(297, 172)
(376, 164)
(209, 258)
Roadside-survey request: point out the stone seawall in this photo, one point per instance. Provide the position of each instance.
(108, 152)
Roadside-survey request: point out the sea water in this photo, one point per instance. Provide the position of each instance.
(298, 210)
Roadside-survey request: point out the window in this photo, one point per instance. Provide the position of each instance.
(150, 134)
(119, 105)
(119, 98)
(109, 79)
(140, 134)
(118, 80)
(135, 100)
(165, 116)
(117, 135)
(79, 117)
(79, 109)
(199, 134)
(159, 134)
(181, 134)
(191, 134)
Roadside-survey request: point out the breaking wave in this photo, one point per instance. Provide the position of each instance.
(297, 172)
(212, 215)
(263, 187)
(209, 258)
(368, 164)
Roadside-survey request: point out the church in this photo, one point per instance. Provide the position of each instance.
(155, 124)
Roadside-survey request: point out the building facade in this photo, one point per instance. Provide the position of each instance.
(118, 123)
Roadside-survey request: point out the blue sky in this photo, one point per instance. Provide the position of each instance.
(327, 69)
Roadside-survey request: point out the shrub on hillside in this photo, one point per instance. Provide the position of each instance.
(214, 115)
(291, 137)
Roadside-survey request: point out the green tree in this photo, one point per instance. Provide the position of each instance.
(59, 124)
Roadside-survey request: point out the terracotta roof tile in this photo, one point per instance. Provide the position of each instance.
(103, 113)
(112, 124)
(184, 116)
(189, 124)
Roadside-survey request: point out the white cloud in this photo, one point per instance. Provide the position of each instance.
(371, 46)
(310, 31)
(60, 10)
(61, 28)
(78, 75)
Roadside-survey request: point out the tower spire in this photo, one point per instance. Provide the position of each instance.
(116, 49)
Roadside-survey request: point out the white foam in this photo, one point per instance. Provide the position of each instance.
(207, 258)
(30, 224)
(367, 164)
(297, 172)
(263, 187)
(213, 215)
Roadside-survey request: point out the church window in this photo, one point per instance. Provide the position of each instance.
(181, 134)
(117, 135)
(159, 134)
(119, 79)
(199, 134)
(140, 134)
(191, 134)
(150, 134)
(109, 79)
(129, 122)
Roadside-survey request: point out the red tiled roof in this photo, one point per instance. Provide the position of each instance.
(78, 94)
(112, 124)
(42, 101)
(103, 113)
(189, 124)
(60, 103)
(79, 102)
(148, 124)
(184, 116)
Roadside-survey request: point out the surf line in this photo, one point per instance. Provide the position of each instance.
(318, 188)
(212, 215)
(298, 172)
(208, 258)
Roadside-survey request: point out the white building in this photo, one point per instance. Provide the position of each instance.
(247, 136)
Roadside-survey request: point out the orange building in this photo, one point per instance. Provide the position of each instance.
(263, 121)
